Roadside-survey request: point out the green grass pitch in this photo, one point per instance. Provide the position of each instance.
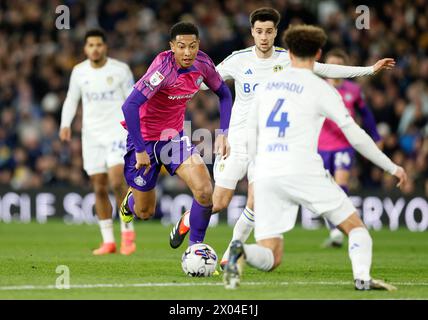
(30, 254)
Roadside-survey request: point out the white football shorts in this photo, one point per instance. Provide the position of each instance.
(277, 201)
(227, 172)
(99, 157)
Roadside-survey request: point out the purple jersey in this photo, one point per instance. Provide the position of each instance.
(331, 137)
(167, 88)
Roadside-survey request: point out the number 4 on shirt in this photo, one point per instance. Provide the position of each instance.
(283, 123)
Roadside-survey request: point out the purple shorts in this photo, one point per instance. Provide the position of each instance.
(169, 153)
(337, 159)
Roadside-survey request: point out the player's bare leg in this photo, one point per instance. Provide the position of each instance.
(360, 253)
(221, 198)
(335, 239)
(195, 174)
(103, 209)
(244, 225)
(119, 187)
(142, 203)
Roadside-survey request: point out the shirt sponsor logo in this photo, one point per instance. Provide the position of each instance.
(182, 96)
(248, 87)
(100, 96)
(139, 181)
(156, 78)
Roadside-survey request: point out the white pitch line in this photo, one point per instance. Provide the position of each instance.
(184, 284)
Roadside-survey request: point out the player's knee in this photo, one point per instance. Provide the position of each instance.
(101, 190)
(203, 194)
(219, 204)
(145, 213)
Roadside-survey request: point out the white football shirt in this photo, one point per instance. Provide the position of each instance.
(248, 71)
(285, 121)
(103, 92)
(289, 110)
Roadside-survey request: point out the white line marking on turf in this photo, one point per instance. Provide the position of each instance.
(191, 284)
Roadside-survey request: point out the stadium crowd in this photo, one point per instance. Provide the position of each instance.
(36, 60)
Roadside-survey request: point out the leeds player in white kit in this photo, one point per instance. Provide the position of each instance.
(248, 68)
(103, 84)
(284, 123)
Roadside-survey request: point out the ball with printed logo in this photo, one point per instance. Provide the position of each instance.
(199, 260)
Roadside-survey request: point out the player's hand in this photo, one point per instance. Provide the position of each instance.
(65, 134)
(387, 64)
(402, 177)
(143, 160)
(221, 146)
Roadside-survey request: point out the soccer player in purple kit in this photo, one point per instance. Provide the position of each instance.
(154, 117)
(335, 150)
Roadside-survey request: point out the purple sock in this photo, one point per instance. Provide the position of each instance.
(199, 220)
(131, 203)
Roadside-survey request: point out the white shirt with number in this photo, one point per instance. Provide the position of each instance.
(248, 71)
(285, 121)
(103, 92)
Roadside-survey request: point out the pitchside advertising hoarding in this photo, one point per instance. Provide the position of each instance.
(378, 210)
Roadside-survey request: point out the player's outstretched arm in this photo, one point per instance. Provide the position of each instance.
(339, 71)
(361, 141)
(386, 63)
(69, 108)
(402, 177)
(225, 96)
(65, 134)
(131, 112)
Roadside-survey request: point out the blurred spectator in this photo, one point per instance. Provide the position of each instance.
(36, 60)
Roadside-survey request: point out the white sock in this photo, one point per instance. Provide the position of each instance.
(125, 227)
(244, 225)
(242, 229)
(106, 227)
(360, 253)
(259, 257)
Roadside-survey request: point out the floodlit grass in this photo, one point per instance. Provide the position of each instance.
(30, 254)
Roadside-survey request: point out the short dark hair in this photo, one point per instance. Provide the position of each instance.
(182, 28)
(304, 40)
(95, 33)
(265, 14)
(339, 53)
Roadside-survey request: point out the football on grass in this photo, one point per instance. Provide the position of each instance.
(199, 260)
